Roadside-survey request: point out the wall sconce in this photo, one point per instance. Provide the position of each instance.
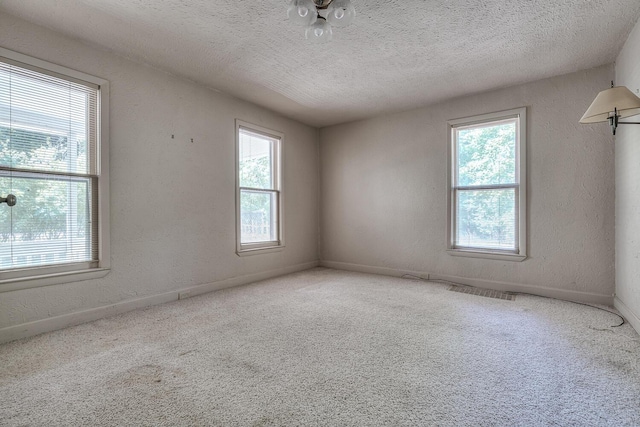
(611, 105)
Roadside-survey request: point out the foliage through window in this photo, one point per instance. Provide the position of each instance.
(486, 193)
(49, 159)
(259, 195)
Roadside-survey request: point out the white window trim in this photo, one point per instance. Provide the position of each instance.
(38, 276)
(521, 200)
(244, 249)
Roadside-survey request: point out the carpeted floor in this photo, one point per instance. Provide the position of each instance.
(331, 348)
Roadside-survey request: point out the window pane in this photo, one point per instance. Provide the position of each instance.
(50, 223)
(486, 219)
(256, 163)
(46, 123)
(257, 216)
(486, 154)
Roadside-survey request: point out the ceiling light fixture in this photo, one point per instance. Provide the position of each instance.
(611, 105)
(319, 16)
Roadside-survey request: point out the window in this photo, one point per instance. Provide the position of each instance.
(259, 194)
(487, 186)
(53, 159)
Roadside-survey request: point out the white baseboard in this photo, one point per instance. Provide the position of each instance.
(384, 271)
(25, 330)
(629, 315)
(567, 295)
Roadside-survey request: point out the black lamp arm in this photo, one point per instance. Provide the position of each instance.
(614, 121)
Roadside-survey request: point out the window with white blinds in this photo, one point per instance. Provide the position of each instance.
(50, 161)
(487, 193)
(259, 195)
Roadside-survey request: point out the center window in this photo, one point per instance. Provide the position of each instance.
(259, 196)
(487, 193)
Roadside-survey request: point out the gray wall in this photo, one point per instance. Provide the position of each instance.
(383, 186)
(383, 192)
(628, 189)
(173, 202)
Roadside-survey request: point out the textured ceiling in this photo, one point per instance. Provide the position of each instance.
(399, 54)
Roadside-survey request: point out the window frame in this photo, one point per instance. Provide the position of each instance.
(243, 249)
(23, 278)
(520, 187)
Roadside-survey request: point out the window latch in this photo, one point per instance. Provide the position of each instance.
(9, 200)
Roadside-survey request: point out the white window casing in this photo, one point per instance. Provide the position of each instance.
(259, 195)
(55, 152)
(484, 238)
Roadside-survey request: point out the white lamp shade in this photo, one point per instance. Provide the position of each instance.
(617, 98)
(302, 12)
(340, 13)
(319, 32)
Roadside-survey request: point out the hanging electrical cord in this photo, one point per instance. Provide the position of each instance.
(447, 282)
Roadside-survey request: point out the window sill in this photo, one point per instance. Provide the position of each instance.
(257, 251)
(487, 255)
(17, 284)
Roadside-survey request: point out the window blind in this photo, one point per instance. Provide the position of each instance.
(48, 160)
(258, 188)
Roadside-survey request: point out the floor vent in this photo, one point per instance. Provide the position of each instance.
(489, 293)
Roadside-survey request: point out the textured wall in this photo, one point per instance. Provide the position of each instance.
(173, 201)
(425, 51)
(383, 197)
(628, 185)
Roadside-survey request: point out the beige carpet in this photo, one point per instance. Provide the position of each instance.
(331, 348)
